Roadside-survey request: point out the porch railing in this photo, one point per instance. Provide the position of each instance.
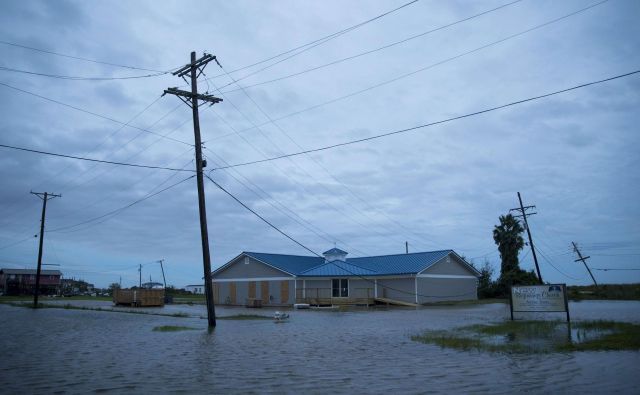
(324, 297)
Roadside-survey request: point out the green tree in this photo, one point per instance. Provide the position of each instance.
(508, 238)
(486, 287)
(113, 286)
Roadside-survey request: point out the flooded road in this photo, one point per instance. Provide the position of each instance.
(360, 351)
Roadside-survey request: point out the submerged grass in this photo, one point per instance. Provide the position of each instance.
(245, 317)
(538, 337)
(68, 306)
(173, 328)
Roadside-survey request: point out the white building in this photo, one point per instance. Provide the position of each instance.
(195, 289)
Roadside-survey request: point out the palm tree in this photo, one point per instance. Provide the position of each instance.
(508, 238)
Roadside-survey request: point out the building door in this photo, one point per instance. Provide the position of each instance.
(232, 293)
(264, 290)
(252, 289)
(284, 292)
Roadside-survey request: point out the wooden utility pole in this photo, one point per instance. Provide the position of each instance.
(523, 210)
(194, 69)
(140, 275)
(584, 261)
(44, 196)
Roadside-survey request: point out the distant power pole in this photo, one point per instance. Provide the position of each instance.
(584, 261)
(406, 247)
(164, 280)
(194, 69)
(44, 196)
(523, 213)
(140, 276)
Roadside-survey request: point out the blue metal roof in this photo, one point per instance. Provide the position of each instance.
(400, 263)
(294, 264)
(337, 268)
(311, 266)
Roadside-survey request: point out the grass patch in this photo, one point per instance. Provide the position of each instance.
(173, 328)
(29, 298)
(604, 292)
(68, 306)
(468, 302)
(538, 337)
(240, 317)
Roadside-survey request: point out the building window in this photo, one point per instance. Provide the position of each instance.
(246, 260)
(340, 287)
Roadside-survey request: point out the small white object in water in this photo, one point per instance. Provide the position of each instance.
(280, 316)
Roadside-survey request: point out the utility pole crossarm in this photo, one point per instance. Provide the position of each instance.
(205, 98)
(206, 58)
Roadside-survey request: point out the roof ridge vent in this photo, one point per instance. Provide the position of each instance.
(335, 254)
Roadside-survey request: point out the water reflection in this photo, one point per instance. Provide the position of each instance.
(359, 351)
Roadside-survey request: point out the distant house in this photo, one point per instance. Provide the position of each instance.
(23, 281)
(195, 289)
(152, 285)
(276, 279)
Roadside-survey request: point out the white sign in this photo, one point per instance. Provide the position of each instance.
(539, 298)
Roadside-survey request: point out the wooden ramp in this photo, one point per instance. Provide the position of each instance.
(395, 302)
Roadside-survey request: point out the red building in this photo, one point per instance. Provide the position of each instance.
(23, 281)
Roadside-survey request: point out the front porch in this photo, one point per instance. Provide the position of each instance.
(324, 297)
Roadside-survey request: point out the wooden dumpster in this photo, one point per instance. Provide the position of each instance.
(138, 297)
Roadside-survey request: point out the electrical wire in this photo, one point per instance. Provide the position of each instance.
(431, 123)
(310, 176)
(117, 211)
(554, 266)
(80, 58)
(77, 78)
(319, 164)
(322, 40)
(372, 87)
(18, 242)
(92, 160)
(91, 113)
(407, 39)
(261, 217)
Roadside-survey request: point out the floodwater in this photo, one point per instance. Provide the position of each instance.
(359, 351)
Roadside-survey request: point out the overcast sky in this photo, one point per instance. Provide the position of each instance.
(574, 155)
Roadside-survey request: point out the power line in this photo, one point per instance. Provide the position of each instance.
(277, 148)
(372, 87)
(277, 125)
(18, 242)
(91, 113)
(92, 160)
(78, 78)
(78, 57)
(284, 209)
(554, 266)
(315, 43)
(121, 209)
(606, 270)
(261, 217)
(373, 50)
(431, 123)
